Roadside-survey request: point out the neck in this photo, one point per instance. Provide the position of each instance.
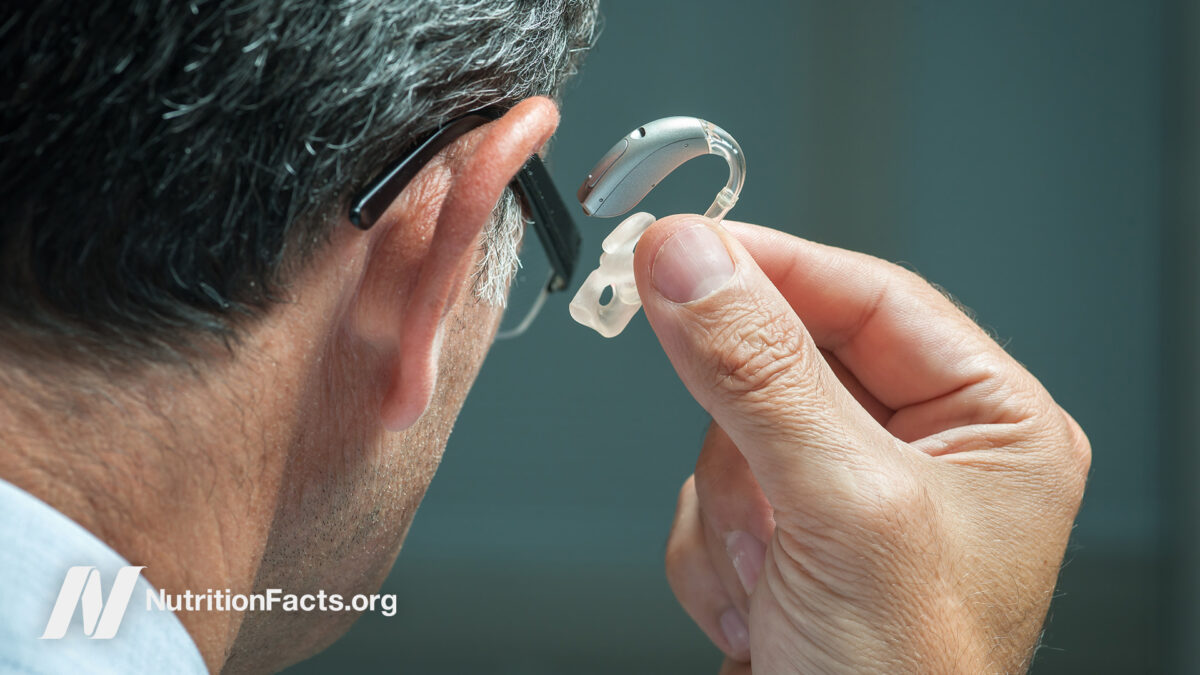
(178, 467)
(189, 496)
(175, 466)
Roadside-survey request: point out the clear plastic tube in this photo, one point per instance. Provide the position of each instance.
(721, 143)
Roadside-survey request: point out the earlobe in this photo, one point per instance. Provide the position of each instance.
(413, 275)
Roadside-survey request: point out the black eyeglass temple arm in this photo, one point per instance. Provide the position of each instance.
(553, 222)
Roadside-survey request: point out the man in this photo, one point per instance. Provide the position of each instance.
(210, 372)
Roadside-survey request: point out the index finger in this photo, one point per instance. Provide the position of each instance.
(904, 341)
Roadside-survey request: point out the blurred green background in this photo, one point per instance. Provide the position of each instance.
(1037, 159)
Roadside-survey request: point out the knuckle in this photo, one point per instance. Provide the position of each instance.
(896, 277)
(1081, 447)
(911, 281)
(1078, 451)
(1061, 459)
(1012, 396)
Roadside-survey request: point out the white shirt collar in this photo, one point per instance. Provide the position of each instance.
(37, 547)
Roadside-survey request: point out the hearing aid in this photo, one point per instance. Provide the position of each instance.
(619, 181)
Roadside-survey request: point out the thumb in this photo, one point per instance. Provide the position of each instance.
(747, 358)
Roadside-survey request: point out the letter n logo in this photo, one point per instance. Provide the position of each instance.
(82, 587)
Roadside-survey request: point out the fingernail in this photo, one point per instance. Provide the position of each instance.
(747, 554)
(691, 264)
(735, 631)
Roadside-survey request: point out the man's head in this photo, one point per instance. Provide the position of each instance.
(185, 311)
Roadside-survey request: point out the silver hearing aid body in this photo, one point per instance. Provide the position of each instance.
(621, 179)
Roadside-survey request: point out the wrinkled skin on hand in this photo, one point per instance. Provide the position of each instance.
(883, 488)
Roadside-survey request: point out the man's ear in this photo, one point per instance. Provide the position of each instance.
(424, 247)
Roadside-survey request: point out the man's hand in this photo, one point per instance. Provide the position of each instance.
(883, 488)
